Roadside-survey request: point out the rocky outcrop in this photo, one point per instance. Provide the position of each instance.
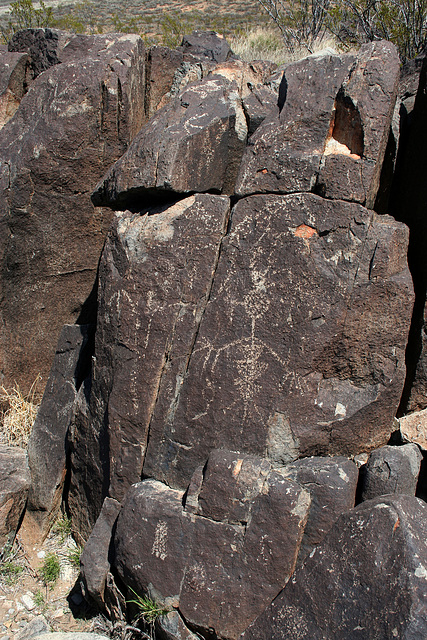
(252, 318)
(375, 553)
(194, 144)
(75, 120)
(14, 484)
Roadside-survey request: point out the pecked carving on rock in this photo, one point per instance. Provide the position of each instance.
(298, 353)
(156, 276)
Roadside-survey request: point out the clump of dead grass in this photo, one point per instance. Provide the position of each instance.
(17, 414)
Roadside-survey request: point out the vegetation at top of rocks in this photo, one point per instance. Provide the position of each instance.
(352, 22)
(24, 15)
(17, 415)
(50, 570)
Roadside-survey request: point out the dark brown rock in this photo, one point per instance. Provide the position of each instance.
(284, 154)
(43, 47)
(95, 559)
(156, 273)
(332, 131)
(74, 121)
(153, 540)
(14, 484)
(219, 575)
(194, 143)
(332, 484)
(207, 44)
(367, 580)
(353, 156)
(172, 627)
(13, 83)
(391, 470)
(301, 348)
(161, 66)
(47, 444)
(260, 104)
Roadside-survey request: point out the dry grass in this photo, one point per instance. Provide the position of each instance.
(17, 415)
(266, 43)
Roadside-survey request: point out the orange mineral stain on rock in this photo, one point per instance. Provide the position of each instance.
(305, 232)
(237, 467)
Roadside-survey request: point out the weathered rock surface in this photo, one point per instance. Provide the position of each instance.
(14, 484)
(34, 628)
(95, 559)
(47, 448)
(367, 580)
(391, 470)
(332, 131)
(305, 289)
(332, 484)
(43, 47)
(13, 83)
(75, 120)
(156, 273)
(207, 44)
(413, 428)
(221, 565)
(195, 143)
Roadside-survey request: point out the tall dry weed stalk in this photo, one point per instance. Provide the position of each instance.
(17, 415)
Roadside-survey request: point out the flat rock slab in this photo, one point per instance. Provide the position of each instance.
(332, 131)
(301, 348)
(14, 484)
(376, 553)
(332, 483)
(156, 275)
(194, 143)
(218, 573)
(47, 444)
(391, 470)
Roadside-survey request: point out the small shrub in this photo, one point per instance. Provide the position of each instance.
(73, 556)
(62, 528)
(40, 600)
(148, 609)
(24, 15)
(49, 571)
(18, 415)
(10, 571)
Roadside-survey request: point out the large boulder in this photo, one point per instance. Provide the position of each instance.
(332, 131)
(368, 579)
(195, 143)
(14, 484)
(300, 350)
(77, 117)
(220, 564)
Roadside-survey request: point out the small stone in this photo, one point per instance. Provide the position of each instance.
(41, 554)
(28, 601)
